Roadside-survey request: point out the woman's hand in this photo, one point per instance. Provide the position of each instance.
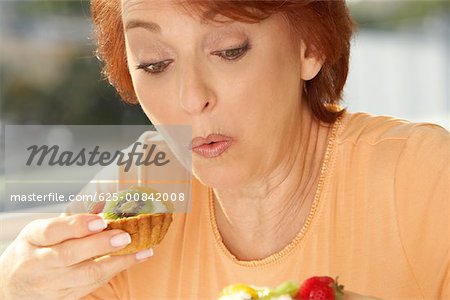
(54, 258)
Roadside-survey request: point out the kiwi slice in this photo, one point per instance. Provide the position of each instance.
(129, 203)
(286, 288)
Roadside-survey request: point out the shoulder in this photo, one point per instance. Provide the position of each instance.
(374, 129)
(395, 140)
(412, 163)
(413, 152)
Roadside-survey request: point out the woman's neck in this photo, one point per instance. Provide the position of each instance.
(259, 220)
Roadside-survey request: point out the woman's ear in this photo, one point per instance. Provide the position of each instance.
(310, 63)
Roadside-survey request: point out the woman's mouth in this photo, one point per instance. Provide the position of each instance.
(213, 146)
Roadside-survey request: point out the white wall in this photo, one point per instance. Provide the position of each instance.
(401, 73)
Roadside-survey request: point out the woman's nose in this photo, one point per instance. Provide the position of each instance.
(195, 93)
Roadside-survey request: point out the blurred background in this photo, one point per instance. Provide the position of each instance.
(400, 66)
(400, 61)
(49, 74)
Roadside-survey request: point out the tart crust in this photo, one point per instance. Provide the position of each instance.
(146, 230)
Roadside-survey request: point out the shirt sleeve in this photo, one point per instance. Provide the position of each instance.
(422, 207)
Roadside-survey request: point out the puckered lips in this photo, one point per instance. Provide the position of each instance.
(211, 146)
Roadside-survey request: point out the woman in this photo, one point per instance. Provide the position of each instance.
(301, 187)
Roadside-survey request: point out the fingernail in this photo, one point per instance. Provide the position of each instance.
(121, 239)
(144, 254)
(97, 224)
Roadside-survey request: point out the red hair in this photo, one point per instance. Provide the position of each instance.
(325, 27)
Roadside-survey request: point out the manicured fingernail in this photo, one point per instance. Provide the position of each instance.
(121, 239)
(144, 254)
(97, 224)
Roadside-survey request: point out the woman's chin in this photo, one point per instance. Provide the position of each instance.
(220, 178)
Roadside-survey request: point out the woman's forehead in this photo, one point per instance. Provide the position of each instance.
(163, 7)
(155, 5)
(156, 12)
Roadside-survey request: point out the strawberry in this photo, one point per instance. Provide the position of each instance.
(320, 288)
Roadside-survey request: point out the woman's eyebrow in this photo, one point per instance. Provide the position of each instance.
(150, 26)
(155, 28)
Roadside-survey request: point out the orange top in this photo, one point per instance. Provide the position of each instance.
(380, 221)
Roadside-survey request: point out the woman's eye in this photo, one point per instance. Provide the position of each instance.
(154, 68)
(232, 54)
(229, 54)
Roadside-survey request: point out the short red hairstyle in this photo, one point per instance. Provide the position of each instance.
(325, 27)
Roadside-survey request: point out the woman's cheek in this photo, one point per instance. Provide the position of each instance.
(152, 99)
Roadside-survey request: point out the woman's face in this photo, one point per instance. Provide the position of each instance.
(236, 79)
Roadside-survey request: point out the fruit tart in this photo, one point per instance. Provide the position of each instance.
(135, 211)
(284, 291)
(314, 288)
